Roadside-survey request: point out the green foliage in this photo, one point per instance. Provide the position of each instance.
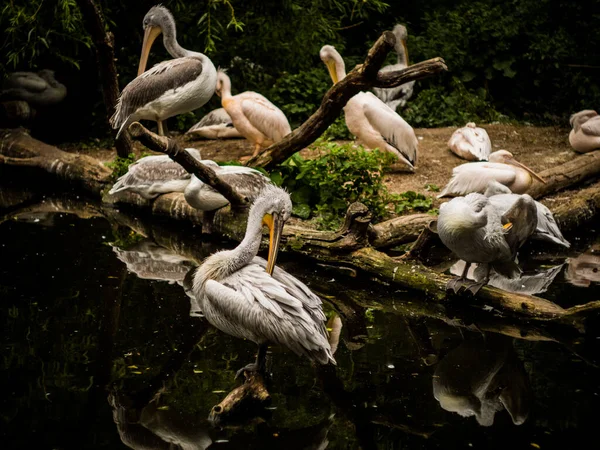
(324, 187)
(338, 131)
(120, 165)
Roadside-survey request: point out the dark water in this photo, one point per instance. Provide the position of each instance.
(97, 354)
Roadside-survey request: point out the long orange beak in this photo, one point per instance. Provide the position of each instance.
(514, 162)
(405, 50)
(275, 225)
(150, 36)
(332, 72)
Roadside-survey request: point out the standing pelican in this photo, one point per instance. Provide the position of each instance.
(245, 296)
(152, 176)
(471, 142)
(374, 123)
(585, 135)
(502, 167)
(215, 125)
(172, 87)
(37, 89)
(478, 232)
(246, 181)
(255, 117)
(399, 95)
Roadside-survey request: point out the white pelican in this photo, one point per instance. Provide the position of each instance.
(399, 95)
(255, 117)
(374, 123)
(245, 296)
(152, 176)
(502, 167)
(471, 142)
(246, 181)
(37, 89)
(215, 125)
(585, 135)
(172, 87)
(476, 231)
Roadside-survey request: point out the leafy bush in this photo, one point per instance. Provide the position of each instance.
(338, 130)
(120, 165)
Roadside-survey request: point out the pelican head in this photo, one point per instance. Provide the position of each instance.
(506, 157)
(581, 117)
(401, 36)
(463, 213)
(156, 21)
(334, 62)
(223, 83)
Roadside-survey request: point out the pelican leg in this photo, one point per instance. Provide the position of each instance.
(161, 132)
(474, 288)
(256, 150)
(456, 283)
(259, 365)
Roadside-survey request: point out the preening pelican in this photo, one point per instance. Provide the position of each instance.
(37, 89)
(247, 181)
(502, 167)
(471, 142)
(374, 124)
(255, 117)
(547, 229)
(397, 96)
(247, 297)
(585, 135)
(152, 176)
(478, 232)
(215, 125)
(172, 87)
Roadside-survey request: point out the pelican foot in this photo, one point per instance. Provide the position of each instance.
(253, 367)
(474, 288)
(455, 284)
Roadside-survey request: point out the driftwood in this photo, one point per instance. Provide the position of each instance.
(363, 76)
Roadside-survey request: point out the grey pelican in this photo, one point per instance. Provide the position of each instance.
(152, 176)
(547, 228)
(244, 180)
(374, 123)
(476, 231)
(585, 135)
(215, 125)
(247, 297)
(471, 142)
(399, 95)
(37, 89)
(169, 88)
(255, 117)
(502, 167)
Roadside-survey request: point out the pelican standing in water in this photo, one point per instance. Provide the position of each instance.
(255, 117)
(215, 125)
(399, 95)
(502, 167)
(374, 123)
(247, 297)
(478, 232)
(585, 135)
(172, 87)
(471, 143)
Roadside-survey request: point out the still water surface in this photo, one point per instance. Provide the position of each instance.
(100, 350)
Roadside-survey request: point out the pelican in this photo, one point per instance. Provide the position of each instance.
(215, 125)
(471, 142)
(399, 95)
(255, 117)
(245, 296)
(169, 88)
(502, 167)
(585, 135)
(247, 181)
(152, 176)
(585, 269)
(374, 123)
(547, 228)
(476, 231)
(37, 89)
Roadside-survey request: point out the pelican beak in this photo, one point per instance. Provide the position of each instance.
(514, 162)
(275, 224)
(150, 35)
(332, 73)
(405, 50)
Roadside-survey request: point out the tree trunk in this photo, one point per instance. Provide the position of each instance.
(105, 57)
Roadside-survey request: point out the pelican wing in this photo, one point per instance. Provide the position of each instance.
(592, 126)
(26, 80)
(481, 145)
(523, 217)
(474, 177)
(265, 116)
(216, 117)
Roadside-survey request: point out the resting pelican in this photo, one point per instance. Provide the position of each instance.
(245, 296)
(255, 117)
(215, 125)
(478, 232)
(374, 123)
(585, 135)
(152, 176)
(471, 142)
(172, 87)
(37, 89)
(399, 95)
(246, 181)
(502, 167)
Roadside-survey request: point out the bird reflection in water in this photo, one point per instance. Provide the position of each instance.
(585, 269)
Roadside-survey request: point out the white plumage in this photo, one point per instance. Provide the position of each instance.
(215, 125)
(585, 135)
(471, 143)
